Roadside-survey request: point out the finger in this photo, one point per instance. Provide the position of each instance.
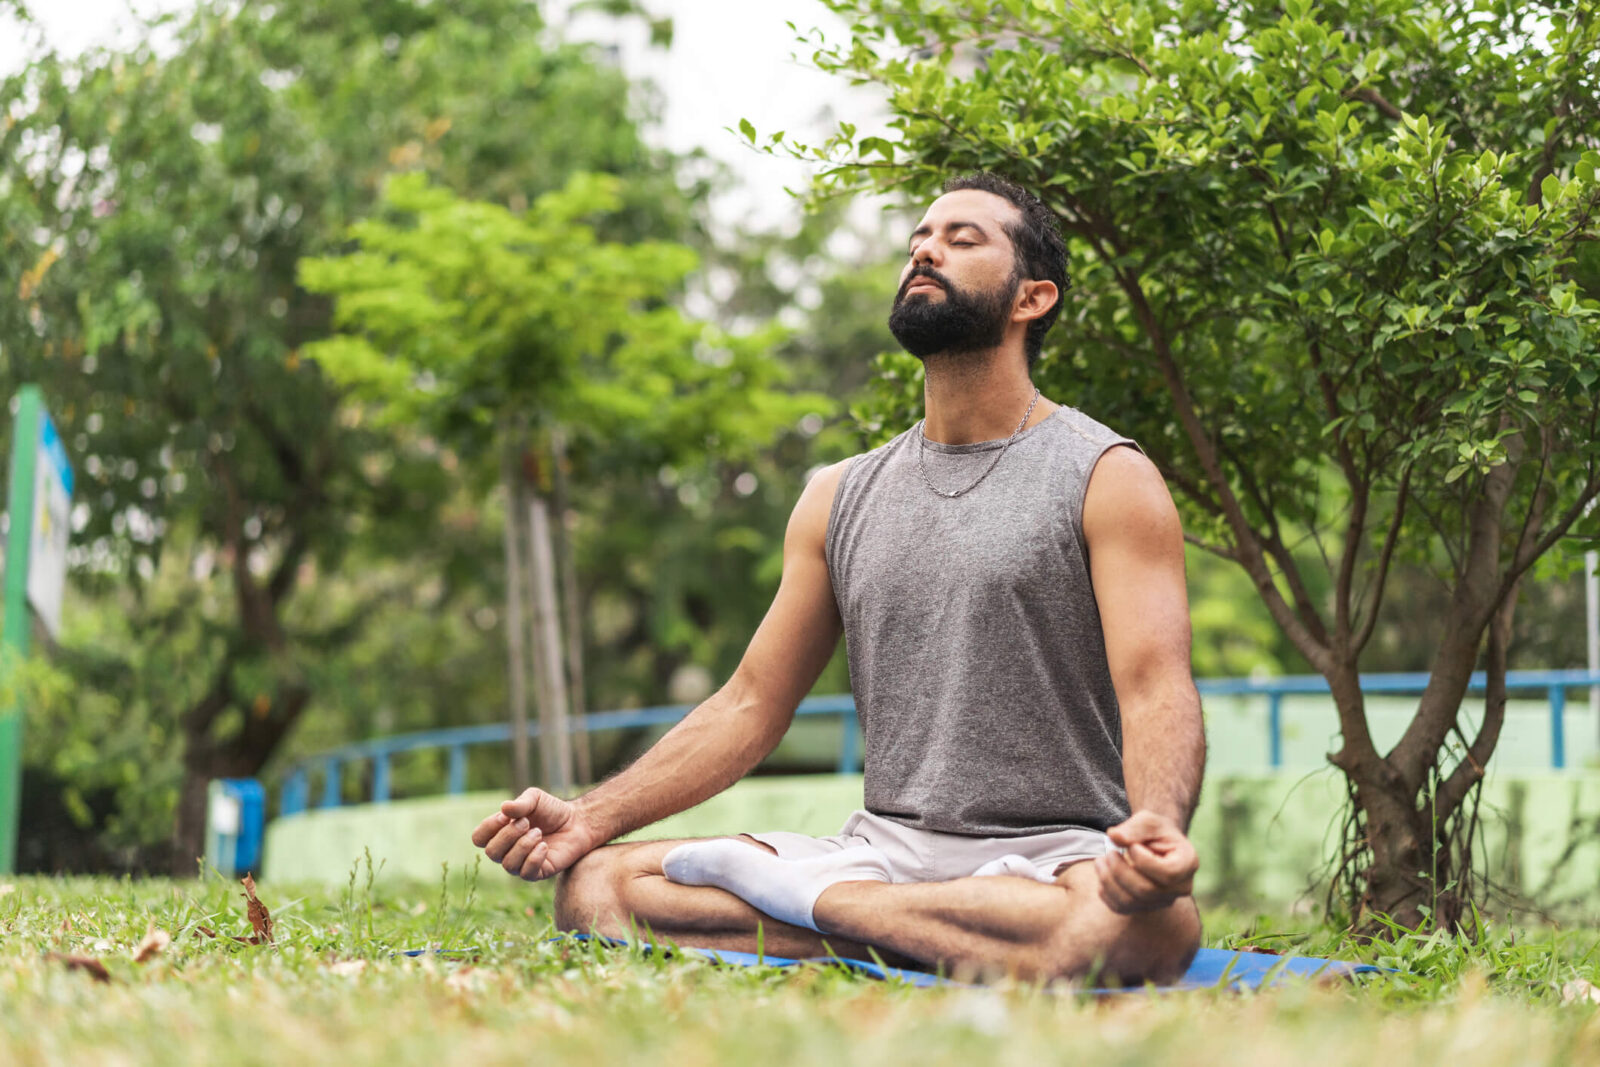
(1173, 870)
(489, 827)
(536, 867)
(521, 806)
(1152, 861)
(501, 843)
(1114, 897)
(1138, 888)
(1140, 826)
(519, 851)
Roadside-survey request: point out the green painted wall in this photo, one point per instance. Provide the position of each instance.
(1263, 839)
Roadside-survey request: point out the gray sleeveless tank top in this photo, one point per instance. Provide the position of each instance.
(976, 655)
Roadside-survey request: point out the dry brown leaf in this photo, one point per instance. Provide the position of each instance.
(260, 920)
(202, 928)
(466, 980)
(155, 942)
(1579, 991)
(88, 964)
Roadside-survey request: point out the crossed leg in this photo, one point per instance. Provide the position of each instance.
(970, 926)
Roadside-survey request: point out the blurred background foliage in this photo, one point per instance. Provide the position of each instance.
(266, 565)
(261, 569)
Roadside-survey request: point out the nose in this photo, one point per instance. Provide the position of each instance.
(928, 251)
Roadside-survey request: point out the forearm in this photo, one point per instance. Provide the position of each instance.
(1164, 752)
(718, 743)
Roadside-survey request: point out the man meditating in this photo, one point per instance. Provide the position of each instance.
(1010, 584)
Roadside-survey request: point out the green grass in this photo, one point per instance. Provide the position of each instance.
(331, 989)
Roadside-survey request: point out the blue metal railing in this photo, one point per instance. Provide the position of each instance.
(380, 751)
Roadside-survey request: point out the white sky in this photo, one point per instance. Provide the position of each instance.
(730, 59)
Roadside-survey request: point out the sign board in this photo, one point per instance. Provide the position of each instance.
(39, 503)
(51, 523)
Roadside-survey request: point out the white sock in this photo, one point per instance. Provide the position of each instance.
(1013, 865)
(784, 889)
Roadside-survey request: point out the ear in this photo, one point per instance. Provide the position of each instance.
(1036, 298)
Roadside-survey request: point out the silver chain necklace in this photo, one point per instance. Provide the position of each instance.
(922, 448)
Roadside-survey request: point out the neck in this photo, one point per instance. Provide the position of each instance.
(978, 396)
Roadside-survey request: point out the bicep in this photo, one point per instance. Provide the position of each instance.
(1135, 544)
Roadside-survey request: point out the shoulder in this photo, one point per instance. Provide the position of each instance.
(810, 516)
(1128, 496)
(1071, 423)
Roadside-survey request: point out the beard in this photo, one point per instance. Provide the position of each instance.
(963, 322)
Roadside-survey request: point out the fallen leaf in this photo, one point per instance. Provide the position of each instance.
(1578, 991)
(88, 964)
(348, 968)
(201, 928)
(155, 942)
(466, 980)
(1254, 948)
(260, 920)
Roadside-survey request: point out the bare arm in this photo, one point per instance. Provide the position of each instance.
(538, 835)
(724, 738)
(1136, 563)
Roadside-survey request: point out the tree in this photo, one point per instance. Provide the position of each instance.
(1323, 264)
(483, 324)
(154, 206)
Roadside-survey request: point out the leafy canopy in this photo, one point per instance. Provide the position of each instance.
(457, 313)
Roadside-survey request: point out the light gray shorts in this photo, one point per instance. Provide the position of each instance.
(931, 856)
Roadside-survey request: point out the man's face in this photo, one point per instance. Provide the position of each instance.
(959, 286)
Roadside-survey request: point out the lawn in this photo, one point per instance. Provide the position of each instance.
(330, 988)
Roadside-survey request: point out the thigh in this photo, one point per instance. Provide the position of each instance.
(1152, 946)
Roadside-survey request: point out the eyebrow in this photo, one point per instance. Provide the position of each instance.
(949, 227)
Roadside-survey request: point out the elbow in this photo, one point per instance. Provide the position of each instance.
(753, 713)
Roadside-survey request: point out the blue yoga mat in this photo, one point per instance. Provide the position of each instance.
(1213, 968)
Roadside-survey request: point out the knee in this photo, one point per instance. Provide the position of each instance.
(1155, 946)
(588, 893)
(1126, 950)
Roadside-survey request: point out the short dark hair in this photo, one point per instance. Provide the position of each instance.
(1041, 253)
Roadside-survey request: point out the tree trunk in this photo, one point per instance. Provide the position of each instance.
(554, 748)
(241, 756)
(189, 826)
(516, 631)
(1404, 871)
(1419, 837)
(572, 609)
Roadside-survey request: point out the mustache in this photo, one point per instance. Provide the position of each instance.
(922, 272)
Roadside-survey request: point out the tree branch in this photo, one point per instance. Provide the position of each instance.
(1474, 762)
(1368, 95)
(1251, 555)
(1479, 592)
(1226, 552)
(1390, 539)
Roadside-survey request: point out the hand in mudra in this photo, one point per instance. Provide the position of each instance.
(1152, 866)
(536, 835)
